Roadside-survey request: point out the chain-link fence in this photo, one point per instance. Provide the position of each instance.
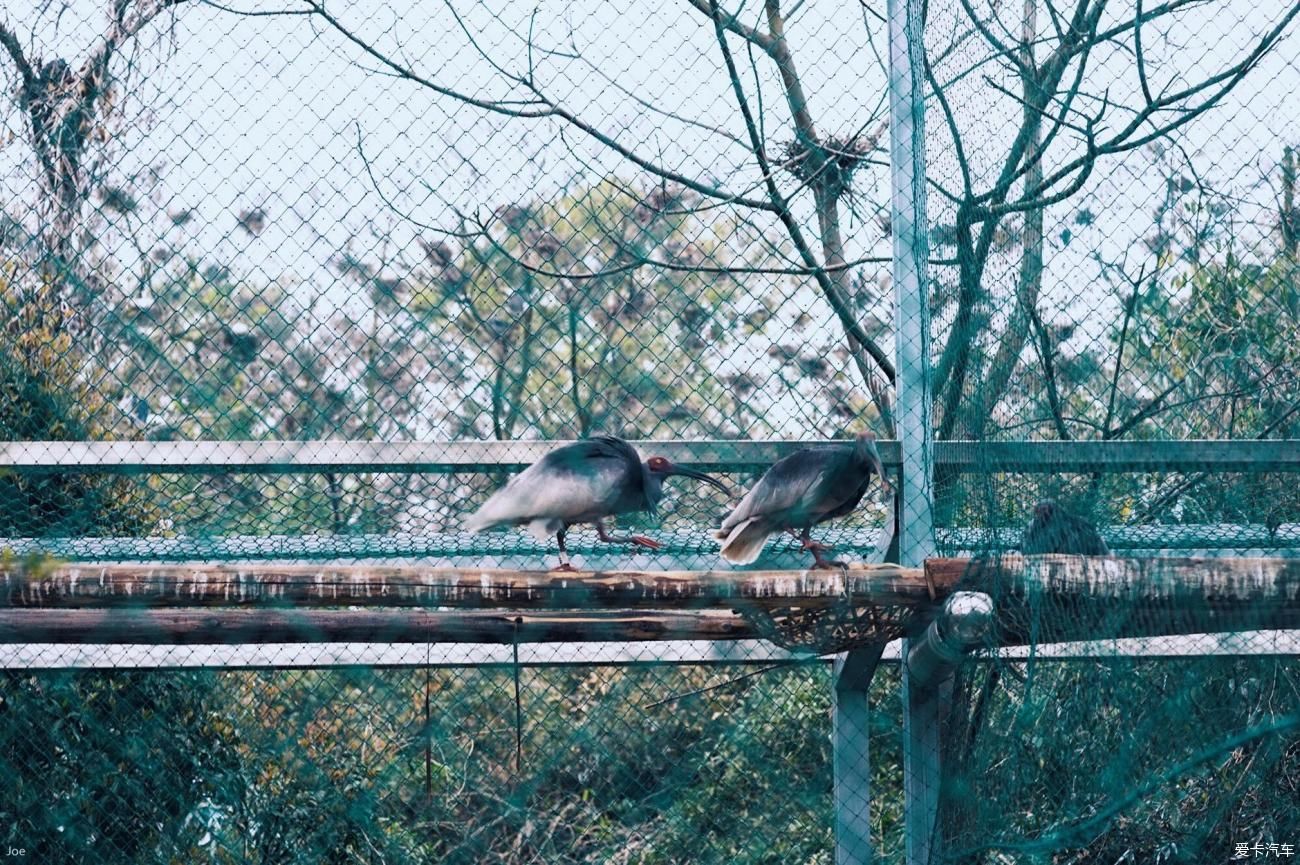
(573, 763)
(1113, 228)
(425, 241)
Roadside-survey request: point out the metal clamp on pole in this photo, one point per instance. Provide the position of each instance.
(965, 623)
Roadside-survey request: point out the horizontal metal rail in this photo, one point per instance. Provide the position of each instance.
(688, 550)
(692, 550)
(207, 457)
(217, 457)
(80, 656)
(77, 656)
(1120, 456)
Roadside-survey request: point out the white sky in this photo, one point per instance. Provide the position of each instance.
(241, 112)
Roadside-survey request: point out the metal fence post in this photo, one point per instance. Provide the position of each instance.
(911, 281)
(851, 735)
(923, 715)
(922, 702)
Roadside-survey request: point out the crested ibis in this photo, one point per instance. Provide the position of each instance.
(808, 487)
(1056, 530)
(583, 482)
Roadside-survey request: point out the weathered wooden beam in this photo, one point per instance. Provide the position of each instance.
(221, 457)
(1054, 598)
(235, 585)
(1044, 598)
(264, 625)
(1131, 579)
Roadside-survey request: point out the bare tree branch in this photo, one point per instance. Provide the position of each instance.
(538, 107)
(837, 300)
(1050, 107)
(62, 107)
(730, 23)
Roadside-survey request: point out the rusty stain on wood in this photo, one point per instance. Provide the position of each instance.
(266, 625)
(203, 585)
(1056, 598)
(1133, 579)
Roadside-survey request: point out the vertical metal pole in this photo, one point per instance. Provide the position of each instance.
(850, 747)
(911, 280)
(922, 703)
(924, 712)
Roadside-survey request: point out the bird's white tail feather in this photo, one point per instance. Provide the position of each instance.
(494, 512)
(476, 523)
(544, 529)
(745, 542)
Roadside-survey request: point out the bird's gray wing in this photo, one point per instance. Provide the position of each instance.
(571, 482)
(790, 484)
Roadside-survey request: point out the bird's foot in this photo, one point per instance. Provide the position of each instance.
(565, 568)
(820, 563)
(811, 546)
(643, 541)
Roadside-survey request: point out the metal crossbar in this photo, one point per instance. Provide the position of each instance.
(50, 656)
(208, 457)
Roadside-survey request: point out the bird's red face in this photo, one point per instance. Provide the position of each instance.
(667, 468)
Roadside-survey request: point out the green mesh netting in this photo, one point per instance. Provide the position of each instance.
(501, 222)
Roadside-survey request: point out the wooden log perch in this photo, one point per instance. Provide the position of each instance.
(249, 626)
(313, 586)
(1043, 598)
(1051, 598)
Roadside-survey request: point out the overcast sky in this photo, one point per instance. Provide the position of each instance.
(273, 112)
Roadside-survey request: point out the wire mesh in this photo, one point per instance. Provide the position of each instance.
(645, 763)
(1113, 249)
(493, 221)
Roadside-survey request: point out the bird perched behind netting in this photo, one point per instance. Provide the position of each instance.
(808, 487)
(583, 482)
(1056, 530)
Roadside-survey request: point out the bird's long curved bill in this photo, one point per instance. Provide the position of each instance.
(700, 476)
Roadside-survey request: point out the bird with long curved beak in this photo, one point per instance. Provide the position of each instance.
(809, 487)
(583, 482)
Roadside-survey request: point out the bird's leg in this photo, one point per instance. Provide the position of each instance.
(564, 552)
(807, 543)
(638, 540)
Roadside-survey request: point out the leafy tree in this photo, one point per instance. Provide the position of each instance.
(97, 766)
(571, 335)
(44, 396)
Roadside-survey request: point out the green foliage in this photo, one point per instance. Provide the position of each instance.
(1225, 334)
(585, 313)
(1122, 760)
(337, 766)
(105, 767)
(44, 395)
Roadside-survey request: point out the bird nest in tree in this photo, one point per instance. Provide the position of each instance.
(829, 164)
(841, 625)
